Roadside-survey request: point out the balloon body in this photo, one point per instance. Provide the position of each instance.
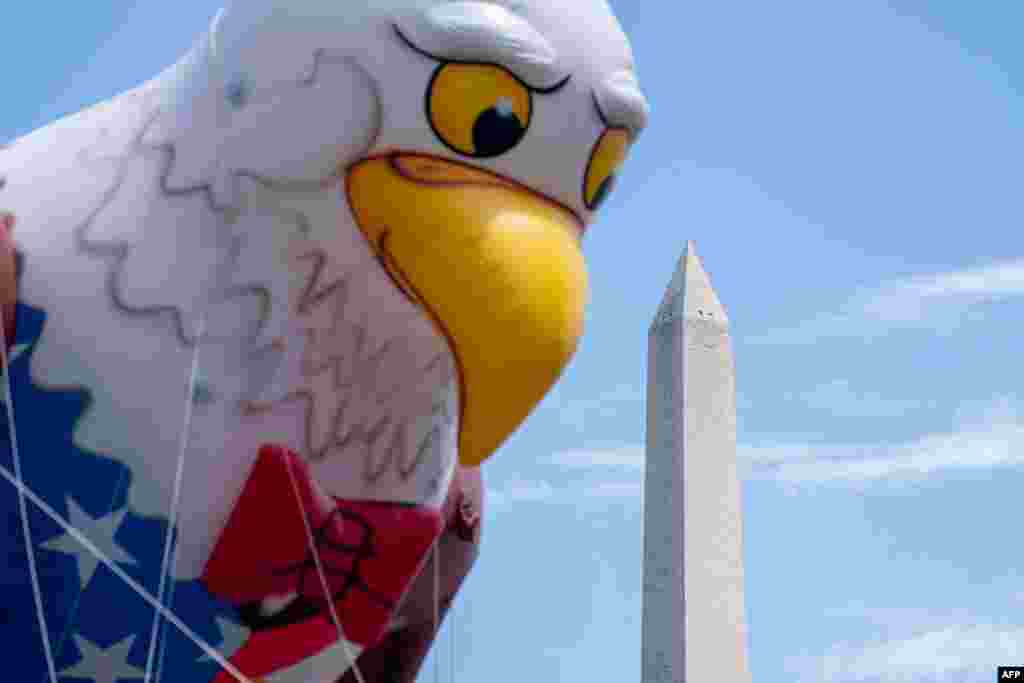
(266, 313)
(400, 655)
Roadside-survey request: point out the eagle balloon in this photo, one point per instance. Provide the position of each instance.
(266, 314)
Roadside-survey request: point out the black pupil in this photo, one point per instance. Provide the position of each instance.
(496, 131)
(603, 190)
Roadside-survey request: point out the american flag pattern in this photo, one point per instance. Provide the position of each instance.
(99, 629)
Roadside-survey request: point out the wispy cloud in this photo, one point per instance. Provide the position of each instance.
(630, 456)
(963, 652)
(841, 397)
(543, 491)
(607, 405)
(615, 489)
(993, 436)
(910, 299)
(904, 620)
(926, 299)
(995, 440)
(520, 492)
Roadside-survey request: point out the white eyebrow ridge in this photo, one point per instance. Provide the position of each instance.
(620, 102)
(484, 32)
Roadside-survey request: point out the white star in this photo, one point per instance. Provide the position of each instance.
(103, 665)
(233, 636)
(100, 532)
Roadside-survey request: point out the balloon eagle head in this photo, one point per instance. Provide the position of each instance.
(351, 233)
(475, 140)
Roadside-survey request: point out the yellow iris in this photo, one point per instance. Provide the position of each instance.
(607, 157)
(479, 110)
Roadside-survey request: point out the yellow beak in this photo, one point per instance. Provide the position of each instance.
(497, 268)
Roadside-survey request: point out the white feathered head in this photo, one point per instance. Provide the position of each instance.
(471, 143)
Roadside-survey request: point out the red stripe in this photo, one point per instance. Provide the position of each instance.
(264, 551)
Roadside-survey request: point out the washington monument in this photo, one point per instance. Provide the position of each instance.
(694, 622)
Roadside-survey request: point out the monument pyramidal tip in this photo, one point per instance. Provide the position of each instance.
(690, 292)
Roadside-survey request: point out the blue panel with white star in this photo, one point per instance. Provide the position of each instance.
(99, 629)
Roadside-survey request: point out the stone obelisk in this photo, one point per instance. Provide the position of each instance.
(694, 621)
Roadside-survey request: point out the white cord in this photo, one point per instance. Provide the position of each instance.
(37, 594)
(323, 577)
(175, 497)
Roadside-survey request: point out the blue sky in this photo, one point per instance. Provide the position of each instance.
(851, 175)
